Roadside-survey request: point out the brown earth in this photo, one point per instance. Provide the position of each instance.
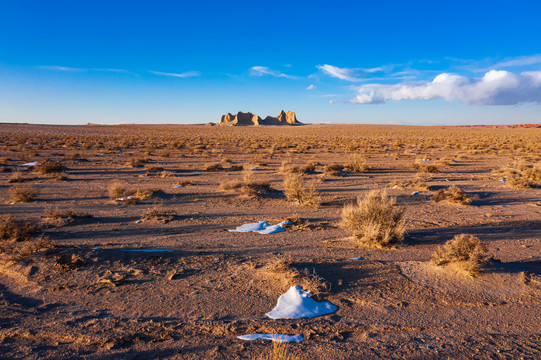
(89, 297)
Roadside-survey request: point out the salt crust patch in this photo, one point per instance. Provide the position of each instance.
(261, 227)
(296, 303)
(273, 337)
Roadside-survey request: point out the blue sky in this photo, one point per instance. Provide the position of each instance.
(393, 62)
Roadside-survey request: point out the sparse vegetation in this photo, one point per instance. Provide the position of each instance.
(465, 251)
(357, 164)
(16, 237)
(279, 351)
(49, 167)
(296, 191)
(60, 217)
(452, 194)
(22, 193)
(374, 220)
(248, 186)
(159, 215)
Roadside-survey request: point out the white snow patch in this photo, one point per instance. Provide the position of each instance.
(415, 192)
(273, 337)
(296, 303)
(357, 258)
(261, 227)
(35, 163)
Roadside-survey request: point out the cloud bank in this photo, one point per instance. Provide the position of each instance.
(496, 87)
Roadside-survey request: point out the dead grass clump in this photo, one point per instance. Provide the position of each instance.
(159, 215)
(465, 251)
(425, 168)
(357, 164)
(333, 170)
(518, 181)
(18, 177)
(116, 190)
(520, 175)
(133, 163)
(279, 351)
(248, 186)
(22, 193)
(290, 273)
(295, 190)
(49, 167)
(214, 167)
(375, 220)
(413, 184)
(15, 230)
(452, 194)
(310, 166)
(63, 217)
(16, 240)
(230, 185)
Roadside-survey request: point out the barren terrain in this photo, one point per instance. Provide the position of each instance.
(89, 291)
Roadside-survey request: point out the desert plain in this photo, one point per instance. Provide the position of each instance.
(124, 251)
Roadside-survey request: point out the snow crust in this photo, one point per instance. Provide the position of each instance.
(261, 227)
(273, 337)
(296, 303)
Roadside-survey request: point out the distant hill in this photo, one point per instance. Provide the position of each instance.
(529, 126)
(249, 119)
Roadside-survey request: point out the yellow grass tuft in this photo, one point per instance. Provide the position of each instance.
(375, 220)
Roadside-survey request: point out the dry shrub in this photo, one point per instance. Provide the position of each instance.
(465, 251)
(116, 190)
(159, 215)
(412, 184)
(297, 274)
(248, 186)
(375, 220)
(15, 230)
(22, 193)
(62, 217)
(50, 167)
(17, 177)
(285, 168)
(452, 194)
(425, 168)
(213, 167)
(519, 175)
(357, 164)
(518, 181)
(333, 170)
(295, 190)
(310, 166)
(279, 351)
(133, 163)
(16, 240)
(230, 185)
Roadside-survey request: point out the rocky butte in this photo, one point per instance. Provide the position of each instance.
(248, 119)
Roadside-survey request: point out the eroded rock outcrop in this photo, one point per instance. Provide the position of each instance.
(246, 119)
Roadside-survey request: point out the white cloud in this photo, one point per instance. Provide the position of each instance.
(311, 87)
(179, 75)
(520, 61)
(494, 88)
(73, 69)
(346, 73)
(263, 70)
(59, 68)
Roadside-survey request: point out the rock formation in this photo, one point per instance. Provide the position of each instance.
(245, 119)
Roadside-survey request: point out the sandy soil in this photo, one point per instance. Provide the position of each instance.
(89, 297)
